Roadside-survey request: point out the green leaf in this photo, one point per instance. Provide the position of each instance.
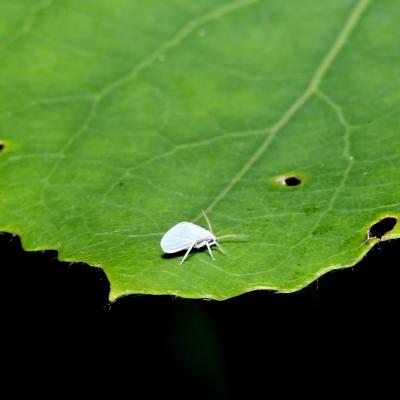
(120, 119)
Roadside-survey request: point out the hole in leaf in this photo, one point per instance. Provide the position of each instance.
(289, 180)
(382, 227)
(1, 146)
(292, 181)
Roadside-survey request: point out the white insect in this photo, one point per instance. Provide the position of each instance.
(188, 236)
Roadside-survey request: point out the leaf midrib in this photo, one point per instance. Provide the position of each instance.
(310, 90)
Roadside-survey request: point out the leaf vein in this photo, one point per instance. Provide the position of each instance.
(311, 89)
(349, 165)
(146, 63)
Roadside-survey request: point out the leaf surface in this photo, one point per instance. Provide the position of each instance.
(120, 119)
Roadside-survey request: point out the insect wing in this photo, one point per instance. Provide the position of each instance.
(181, 237)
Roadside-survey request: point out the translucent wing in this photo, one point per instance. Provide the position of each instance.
(181, 237)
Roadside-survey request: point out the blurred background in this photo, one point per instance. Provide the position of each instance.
(53, 307)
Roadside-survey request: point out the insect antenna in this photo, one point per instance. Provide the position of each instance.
(235, 236)
(208, 221)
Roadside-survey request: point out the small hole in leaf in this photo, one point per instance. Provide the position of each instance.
(289, 180)
(292, 181)
(1, 146)
(382, 227)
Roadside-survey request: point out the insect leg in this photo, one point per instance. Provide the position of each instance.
(187, 253)
(220, 248)
(209, 251)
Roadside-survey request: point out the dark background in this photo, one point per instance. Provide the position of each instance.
(51, 308)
